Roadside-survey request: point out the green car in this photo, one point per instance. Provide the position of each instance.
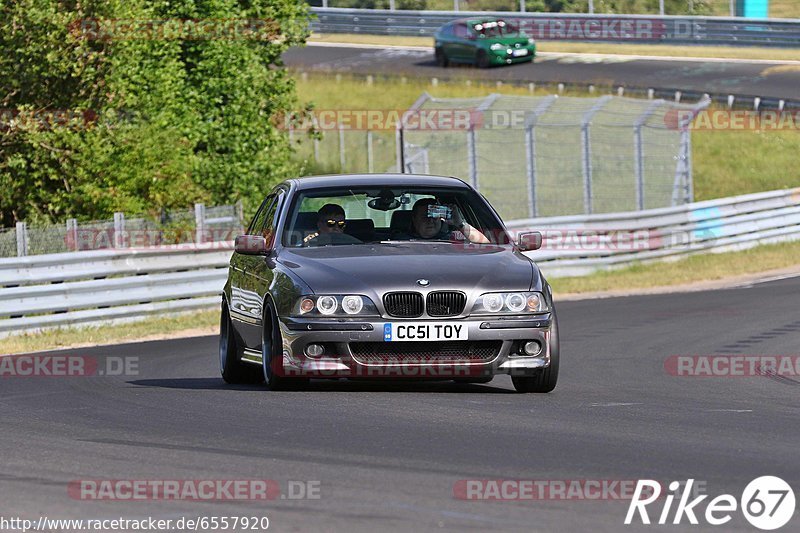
(483, 43)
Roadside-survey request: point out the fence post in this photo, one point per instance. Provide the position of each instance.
(638, 147)
(472, 157)
(199, 223)
(239, 211)
(370, 157)
(530, 153)
(72, 235)
(455, 5)
(119, 230)
(522, 6)
(586, 153)
(342, 159)
(399, 143)
(22, 239)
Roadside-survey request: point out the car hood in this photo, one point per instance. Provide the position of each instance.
(374, 269)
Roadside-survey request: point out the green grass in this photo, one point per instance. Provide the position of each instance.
(663, 50)
(199, 323)
(694, 268)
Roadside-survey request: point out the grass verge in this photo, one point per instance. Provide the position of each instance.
(154, 328)
(691, 269)
(658, 50)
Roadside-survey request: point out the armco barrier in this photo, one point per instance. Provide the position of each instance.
(573, 27)
(97, 286)
(580, 245)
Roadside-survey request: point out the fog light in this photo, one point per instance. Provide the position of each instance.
(532, 348)
(314, 350)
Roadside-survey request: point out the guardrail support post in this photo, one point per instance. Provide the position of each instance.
(199, 223)
(22, 239)
(72, 235)
(370, 157)
(119, 230)
(522, 6)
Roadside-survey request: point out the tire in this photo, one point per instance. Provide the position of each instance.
(441, 58)
(544, 380)
(272, 355)
(481, 59)
(231, 366)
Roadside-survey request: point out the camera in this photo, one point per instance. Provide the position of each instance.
(440, 211)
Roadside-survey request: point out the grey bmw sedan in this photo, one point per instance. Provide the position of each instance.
(385, 276)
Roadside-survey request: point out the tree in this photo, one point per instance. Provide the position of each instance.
(142, 105)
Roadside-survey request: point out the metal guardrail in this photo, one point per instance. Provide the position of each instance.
(652, 29)
(580, 245)
(101, 286)
(109, 285)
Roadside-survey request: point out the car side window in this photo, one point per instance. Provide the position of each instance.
(461, 31)
(258, 221)
(271, 218)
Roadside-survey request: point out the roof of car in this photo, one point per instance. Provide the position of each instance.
(376, 180)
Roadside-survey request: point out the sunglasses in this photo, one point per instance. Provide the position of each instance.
(334, 223)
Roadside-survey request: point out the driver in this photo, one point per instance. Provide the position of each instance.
(425, 227)
(331, 222)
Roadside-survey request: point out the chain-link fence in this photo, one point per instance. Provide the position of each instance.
(199, 225)
(532, 155)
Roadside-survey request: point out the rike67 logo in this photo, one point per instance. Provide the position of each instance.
(767, 503)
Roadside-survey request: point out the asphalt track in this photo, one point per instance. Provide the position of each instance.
(765, 79)
(387, 455)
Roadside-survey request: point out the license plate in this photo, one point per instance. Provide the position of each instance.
(520, 52)
(425, 331)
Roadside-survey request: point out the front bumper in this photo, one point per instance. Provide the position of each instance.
(339, 337)
(502, 57)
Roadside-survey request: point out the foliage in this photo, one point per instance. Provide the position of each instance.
(93, 122)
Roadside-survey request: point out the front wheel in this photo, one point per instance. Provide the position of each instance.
(544, 380)
(481, 59)
(272, 355)
(441, 58)
(231, 366)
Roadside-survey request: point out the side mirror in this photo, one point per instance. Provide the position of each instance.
(529, 241)
(251, 245)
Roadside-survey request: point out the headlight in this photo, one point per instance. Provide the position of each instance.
(509, 303)
(327, 305)
(352, 305)
(498, 46)
(531, 41)
(334, 305)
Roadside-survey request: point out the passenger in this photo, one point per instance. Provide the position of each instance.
(331, 222)
(425, 227)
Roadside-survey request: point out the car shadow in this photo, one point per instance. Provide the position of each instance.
(329, 385)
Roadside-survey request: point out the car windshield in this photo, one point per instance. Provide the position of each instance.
(496, 28)
(386, 215)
